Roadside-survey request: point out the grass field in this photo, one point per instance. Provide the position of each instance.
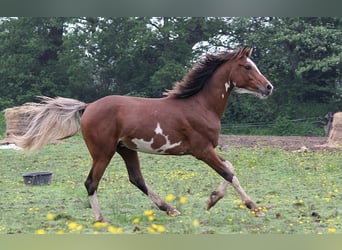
(303, 189)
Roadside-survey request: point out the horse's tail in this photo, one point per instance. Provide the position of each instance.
(57, 118)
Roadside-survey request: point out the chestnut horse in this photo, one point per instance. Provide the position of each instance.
(187, 121)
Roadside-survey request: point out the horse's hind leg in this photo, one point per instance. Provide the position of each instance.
(91, 184)
(135, 176)
(101, 154)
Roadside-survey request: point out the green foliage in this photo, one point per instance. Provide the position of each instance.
(87, 58)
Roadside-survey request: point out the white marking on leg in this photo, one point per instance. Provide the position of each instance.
(229, 166)
(94, 203)
(240, 190)
(222, 96)
(160, 203)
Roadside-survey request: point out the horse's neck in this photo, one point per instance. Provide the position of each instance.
(216, 93)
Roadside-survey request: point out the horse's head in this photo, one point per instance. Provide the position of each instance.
(247, 78)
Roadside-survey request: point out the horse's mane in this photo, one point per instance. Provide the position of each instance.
(198, 76)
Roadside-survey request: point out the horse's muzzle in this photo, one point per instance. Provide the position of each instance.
(266, 90)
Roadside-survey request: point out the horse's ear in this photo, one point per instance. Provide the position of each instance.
(250, 51)
(247, 51)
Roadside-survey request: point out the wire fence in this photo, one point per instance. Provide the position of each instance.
(312, 120)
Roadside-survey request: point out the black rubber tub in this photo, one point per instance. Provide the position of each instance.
(37, 178)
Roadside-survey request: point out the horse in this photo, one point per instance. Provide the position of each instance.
(185, 121)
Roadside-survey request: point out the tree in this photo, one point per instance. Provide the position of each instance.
(29, 50)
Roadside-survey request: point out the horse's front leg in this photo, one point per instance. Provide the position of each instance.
(226, 170)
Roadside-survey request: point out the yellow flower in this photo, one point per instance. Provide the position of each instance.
(150, 218)
(136, 220)
(196, 223)
(161, 229)
(115, 230)
(169, 197)
(183, 200)
(151, 230)
(157, 228)
(40, 231)
(148, 212)
(332, 230)
(50, 216)
(60, 232)
(72, 225)
(100, 224)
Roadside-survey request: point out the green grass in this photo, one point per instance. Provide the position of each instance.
(303, 189)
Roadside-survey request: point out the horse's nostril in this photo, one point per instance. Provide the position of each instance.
(269, 87)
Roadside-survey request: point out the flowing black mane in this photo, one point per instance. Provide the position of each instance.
(198, 76)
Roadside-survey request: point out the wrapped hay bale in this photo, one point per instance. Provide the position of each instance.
(335, 135)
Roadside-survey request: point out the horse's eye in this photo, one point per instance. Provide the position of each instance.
(248, 67)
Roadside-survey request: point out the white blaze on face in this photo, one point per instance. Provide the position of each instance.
(253, 65)
(146, 146)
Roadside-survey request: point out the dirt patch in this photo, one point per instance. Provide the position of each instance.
(289, 143)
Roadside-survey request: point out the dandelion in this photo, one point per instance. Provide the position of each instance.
(136, 220)
(40, 231)
(60, 232)
(154, 228)
(148, 212)
(72, 225)
(150, 218)
(183, 200)
(238, 201)
(151, 230)
(100, 224)
(169, 197)
(242, 206)
(158, 228)
(115, 230)
(332, 230)
(50, 216)
(196, 223)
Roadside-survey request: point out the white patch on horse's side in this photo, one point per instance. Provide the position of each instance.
(168, 145)
(254, 65)
(146, 146)
(227, 85)
(158, 130)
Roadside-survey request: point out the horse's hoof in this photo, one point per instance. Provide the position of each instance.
(174, 212)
